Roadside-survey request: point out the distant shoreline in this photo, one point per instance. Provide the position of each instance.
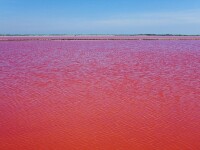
(95, 37)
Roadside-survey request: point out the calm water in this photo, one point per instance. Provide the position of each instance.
(100, 95)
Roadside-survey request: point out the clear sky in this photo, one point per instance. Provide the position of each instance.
(99, 16)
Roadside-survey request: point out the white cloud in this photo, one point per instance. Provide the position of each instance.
(151, 19)
(182, 22)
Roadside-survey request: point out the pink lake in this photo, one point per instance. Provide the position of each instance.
(100, 94)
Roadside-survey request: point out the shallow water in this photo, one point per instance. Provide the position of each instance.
(103, 95)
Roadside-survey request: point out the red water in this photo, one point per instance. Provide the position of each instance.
(100, 95)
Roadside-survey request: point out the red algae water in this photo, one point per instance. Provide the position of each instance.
(100, 95)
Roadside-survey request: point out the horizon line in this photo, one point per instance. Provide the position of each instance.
(99, 34)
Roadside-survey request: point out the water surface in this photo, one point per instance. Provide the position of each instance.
(100, 95)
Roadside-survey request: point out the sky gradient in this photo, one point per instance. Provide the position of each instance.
(99, 17)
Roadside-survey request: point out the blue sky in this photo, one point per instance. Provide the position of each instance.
(99, 16)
